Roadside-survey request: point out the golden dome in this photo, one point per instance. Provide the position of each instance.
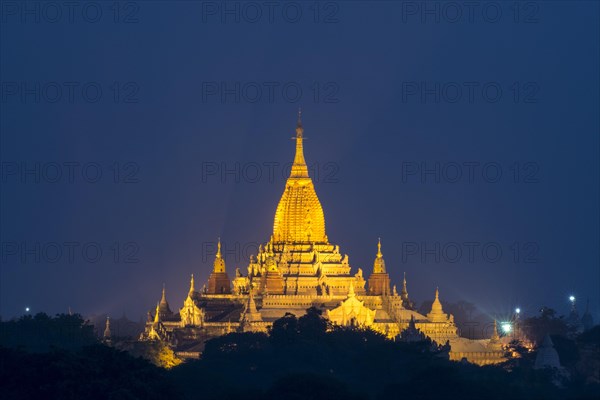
(299, 216)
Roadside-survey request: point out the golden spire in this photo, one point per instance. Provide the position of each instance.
(404, 291)
(495, 344)
(299, 217)
(379, 264)
(437, 312)
(163, 299)
(219, 264)
(164, 305)
(192, 289)
(299, 168)
(251, 307)
(495, 332)
(250, 313)
(351, 290)
(157, 315)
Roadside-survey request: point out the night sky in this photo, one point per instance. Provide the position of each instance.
(159, 97)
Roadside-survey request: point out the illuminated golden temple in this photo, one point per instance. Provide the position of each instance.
(299, 268)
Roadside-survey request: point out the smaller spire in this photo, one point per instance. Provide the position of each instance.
(250, 313)
(495, 332)
(437, 312)
(495, 344)
(107, 328)
(251, 308)
(192, 289)
(219, 263)
(299, 127)
(157, 314)
(412, 323)
(379, 264)
(351, 290)
(163, 299)
(299, 168)
(404, 292)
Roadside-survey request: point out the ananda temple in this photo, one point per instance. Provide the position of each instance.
(298, 268)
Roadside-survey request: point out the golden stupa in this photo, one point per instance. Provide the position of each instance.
(296, 269)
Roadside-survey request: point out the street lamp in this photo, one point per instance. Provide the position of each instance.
(506, 327)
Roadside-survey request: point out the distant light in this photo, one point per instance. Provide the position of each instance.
(26, 309)
(506, 327)
(518, 310)
(572, 298)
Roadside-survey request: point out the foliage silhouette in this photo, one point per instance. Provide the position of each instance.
(302, 358)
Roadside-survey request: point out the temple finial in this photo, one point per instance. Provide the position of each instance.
(495, 336)
(219, 263)
(299, 168)
(299, 129)
(192, 289)
(404, 289)
(163, 299)
(351, 290)
(379, 254)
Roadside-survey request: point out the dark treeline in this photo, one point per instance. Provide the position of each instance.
(60, 358)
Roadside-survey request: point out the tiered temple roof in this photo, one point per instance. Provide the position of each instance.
(296, 269)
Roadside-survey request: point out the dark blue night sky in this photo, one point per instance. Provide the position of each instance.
(397, 100)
